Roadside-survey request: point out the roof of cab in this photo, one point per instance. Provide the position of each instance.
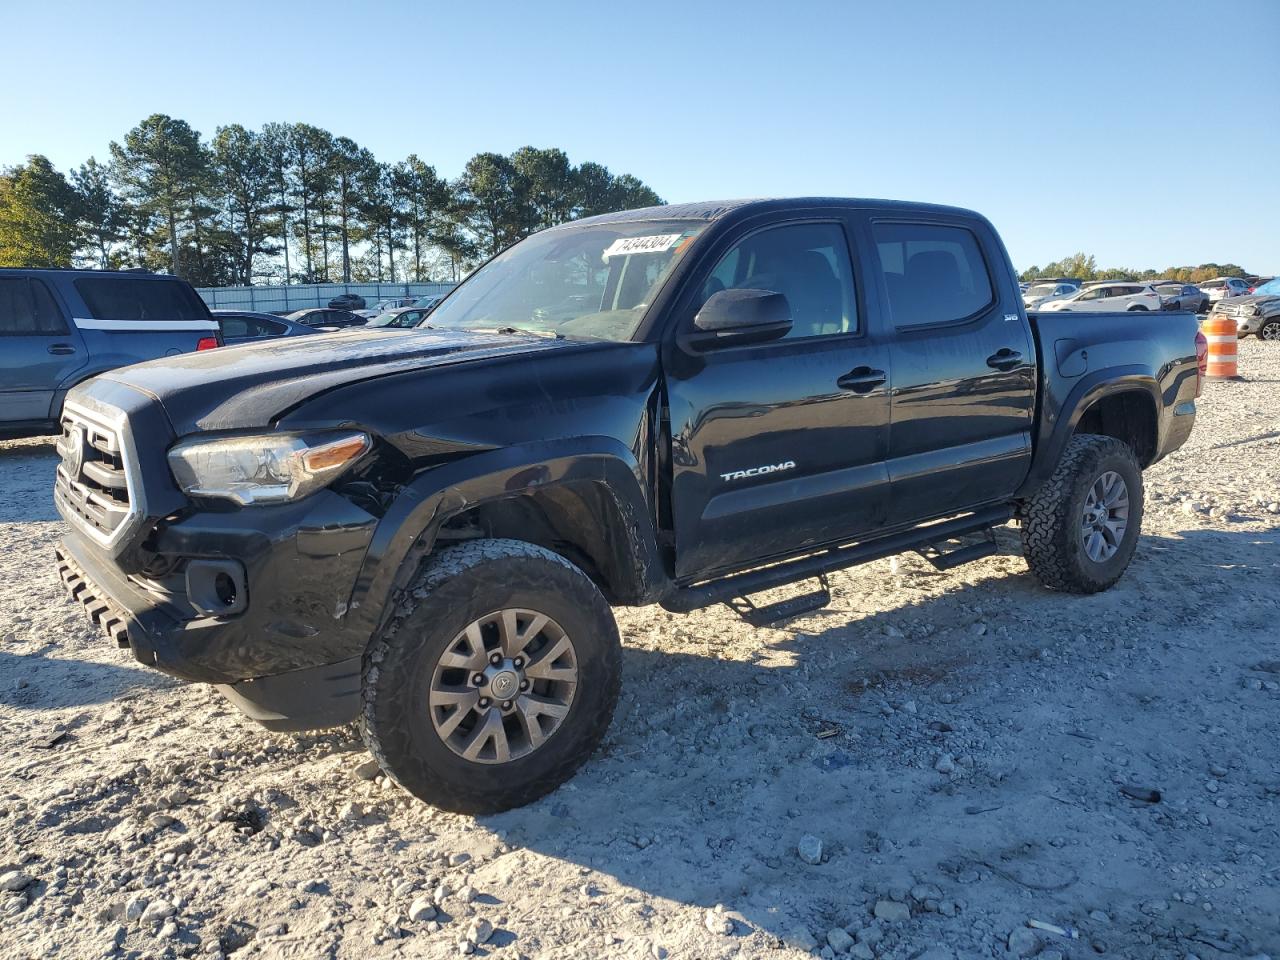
(709, 210)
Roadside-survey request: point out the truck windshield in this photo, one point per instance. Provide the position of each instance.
(593, 281)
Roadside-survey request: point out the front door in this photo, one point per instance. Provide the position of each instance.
(38, 350)
(963, 367)
(778, 446)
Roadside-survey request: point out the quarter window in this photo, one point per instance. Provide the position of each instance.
(933, 273)
(124, 298)
(807, 263)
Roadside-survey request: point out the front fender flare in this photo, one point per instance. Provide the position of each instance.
(411, 525)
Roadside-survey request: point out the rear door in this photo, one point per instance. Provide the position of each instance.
(963, 363)
(778, 447)
(39, 350)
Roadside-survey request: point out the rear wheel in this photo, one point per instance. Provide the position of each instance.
(1080, 529)
(1270, 330)
(494, 679)
(1137, 307)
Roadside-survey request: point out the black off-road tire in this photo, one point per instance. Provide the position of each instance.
(1052, 541)
(453, 589)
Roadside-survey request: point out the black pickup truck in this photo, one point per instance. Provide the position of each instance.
(424, 530)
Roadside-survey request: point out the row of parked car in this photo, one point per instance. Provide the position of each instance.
(1057, 294)
(246, 326)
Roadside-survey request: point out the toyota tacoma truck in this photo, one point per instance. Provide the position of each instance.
(424, 530)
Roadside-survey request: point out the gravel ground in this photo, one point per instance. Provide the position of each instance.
(915, 772)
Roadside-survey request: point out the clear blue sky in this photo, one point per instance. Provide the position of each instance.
(1146, 132)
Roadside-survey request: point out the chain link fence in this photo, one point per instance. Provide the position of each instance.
(286, 299)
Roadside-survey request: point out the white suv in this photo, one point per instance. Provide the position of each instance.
(1224, 287)
(1042, 291)
(1108, 296)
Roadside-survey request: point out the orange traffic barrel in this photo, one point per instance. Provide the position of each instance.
(1220, 331)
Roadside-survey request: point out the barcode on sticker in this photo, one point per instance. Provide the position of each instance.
(624, 246)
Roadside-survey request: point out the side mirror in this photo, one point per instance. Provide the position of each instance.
(733, 317)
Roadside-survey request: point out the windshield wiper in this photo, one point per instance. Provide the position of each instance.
(548, 334)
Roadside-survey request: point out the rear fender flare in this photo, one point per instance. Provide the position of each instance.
(408, 530)
(1092, 387)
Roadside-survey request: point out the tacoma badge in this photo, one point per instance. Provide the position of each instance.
(759, 471)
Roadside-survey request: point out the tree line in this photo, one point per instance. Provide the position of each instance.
(290, 202)
(1083, 266)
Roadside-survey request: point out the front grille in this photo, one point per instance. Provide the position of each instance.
(93, 484)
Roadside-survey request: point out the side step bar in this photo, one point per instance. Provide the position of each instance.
(783, 609)
(724, 590)
(946, 560)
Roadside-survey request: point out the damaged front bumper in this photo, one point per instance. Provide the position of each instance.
(254, 601)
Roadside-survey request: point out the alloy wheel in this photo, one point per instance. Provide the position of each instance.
(1105, 517)
(503, 686)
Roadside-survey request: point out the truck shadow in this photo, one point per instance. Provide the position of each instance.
(720, 760)
(37, 682)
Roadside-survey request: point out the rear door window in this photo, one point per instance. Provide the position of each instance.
(933, 273)
(27, 308)
(134, 299)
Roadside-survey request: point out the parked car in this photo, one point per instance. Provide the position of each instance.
(1224, 287)
(245, 326)
(1256, 282)
(399, 318)
(1181, 296)
(1256, 314)
(59, 327)
(348, 301)
(383, 306)
(326, 318)
(1042, 291)
(1107, 297)
(426, 529)
(430, 302)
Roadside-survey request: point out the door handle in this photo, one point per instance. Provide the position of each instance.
(1004, 359)
(861, 379)
(61, 349)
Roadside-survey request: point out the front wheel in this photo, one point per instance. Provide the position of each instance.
(494, 679)
(1080, 529)
(1137, 308)
(1270, 331)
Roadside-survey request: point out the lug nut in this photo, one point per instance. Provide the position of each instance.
(478, 679)
(506, 704)
(524, 684)
(518, 662)
(496, 659)
(484, 702)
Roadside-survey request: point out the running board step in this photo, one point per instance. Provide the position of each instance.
(965, 554)
(685, 598)
(783, 609)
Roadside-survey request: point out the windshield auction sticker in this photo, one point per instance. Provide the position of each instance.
(625, 246)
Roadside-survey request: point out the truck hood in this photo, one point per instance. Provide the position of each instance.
(233, 388)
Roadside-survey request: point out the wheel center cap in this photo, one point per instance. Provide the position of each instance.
(504, 685)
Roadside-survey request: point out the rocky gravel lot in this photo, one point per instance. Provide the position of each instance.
(914, 773)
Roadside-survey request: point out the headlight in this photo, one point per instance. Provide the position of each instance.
(270, 469)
